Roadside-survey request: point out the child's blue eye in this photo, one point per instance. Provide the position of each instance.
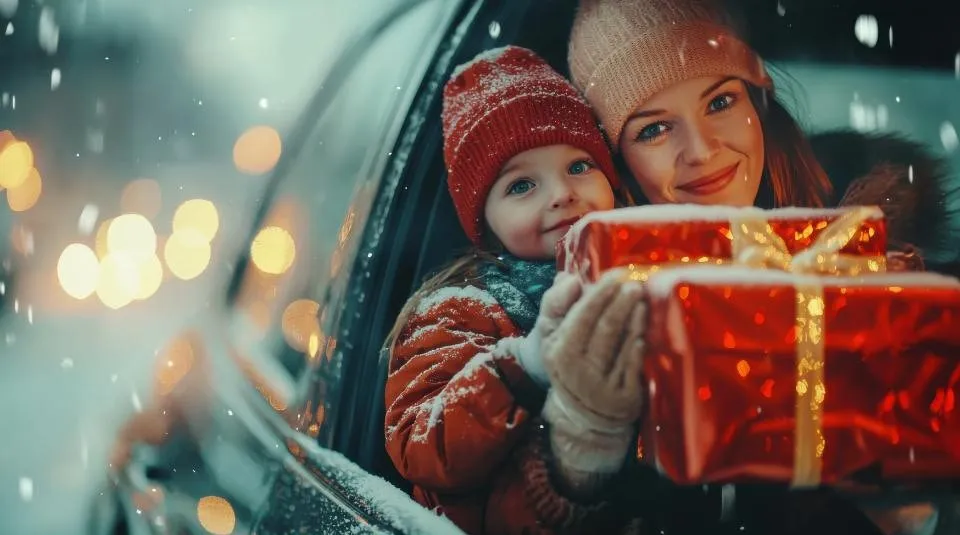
(721, 102)
(520, 187)
(580, 167)
(652, 131)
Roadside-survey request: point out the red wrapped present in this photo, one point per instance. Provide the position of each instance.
(649, 238)
(765, 375)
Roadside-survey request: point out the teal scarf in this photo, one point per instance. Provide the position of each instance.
(518, 285)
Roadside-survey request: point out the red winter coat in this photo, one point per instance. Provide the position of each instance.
(453, 412)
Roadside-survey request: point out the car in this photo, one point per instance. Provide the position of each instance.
(277, 390)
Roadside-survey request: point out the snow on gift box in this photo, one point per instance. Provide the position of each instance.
(649, 238)
(765, 375)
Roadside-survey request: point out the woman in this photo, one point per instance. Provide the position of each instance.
(691, 112)
(693, 115)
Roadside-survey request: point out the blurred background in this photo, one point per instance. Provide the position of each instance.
(137, 140)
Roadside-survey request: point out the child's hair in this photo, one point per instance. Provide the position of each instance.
(462, 271)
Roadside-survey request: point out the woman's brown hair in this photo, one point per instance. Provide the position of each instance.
(792, 176)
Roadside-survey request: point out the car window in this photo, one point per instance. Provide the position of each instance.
(301, 252)
(909, 102)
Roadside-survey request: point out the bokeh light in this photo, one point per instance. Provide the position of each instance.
(257, 150)
(16, 161)
(273, 250)
(198, 215)
(300, 324)
(150, 277)
(100, 240)
(187, 254)
(216, 515)
(132, 234)
(119, 281)
(22, 197)
(78, 270)
(6, 137)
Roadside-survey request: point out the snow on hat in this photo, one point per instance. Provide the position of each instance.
(622, 52)
(504, 102)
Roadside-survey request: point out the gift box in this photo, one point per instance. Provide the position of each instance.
(649, 238)
(765, 375)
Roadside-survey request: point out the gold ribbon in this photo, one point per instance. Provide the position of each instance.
(808, 438)
(755, 244)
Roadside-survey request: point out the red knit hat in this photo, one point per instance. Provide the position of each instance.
(504, 102)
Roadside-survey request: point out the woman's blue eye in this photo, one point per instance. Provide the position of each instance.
(580, 167)
(652, 131)
(520, 187)
(721, 102)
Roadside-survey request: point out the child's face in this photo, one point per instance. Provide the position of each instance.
(539, 194)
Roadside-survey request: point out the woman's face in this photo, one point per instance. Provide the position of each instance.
(699, 141)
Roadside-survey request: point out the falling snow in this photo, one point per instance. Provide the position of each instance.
(49, 31)
(26, 489)
(88, 219)
(867, 30)
(948, 136)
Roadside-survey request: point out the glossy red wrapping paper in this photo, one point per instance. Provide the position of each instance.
(651, 235)
(721, 367)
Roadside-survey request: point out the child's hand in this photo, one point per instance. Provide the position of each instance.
(594, 356)
(556, 303)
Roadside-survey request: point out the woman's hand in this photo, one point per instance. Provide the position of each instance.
(594, 358)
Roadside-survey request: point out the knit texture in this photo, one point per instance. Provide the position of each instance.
(500, 104)
(622, 52)
(518, 285)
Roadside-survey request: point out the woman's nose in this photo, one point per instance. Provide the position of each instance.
(700, 146)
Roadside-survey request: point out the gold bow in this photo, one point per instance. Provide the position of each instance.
(755, 244)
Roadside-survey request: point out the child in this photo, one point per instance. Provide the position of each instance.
(525, 160)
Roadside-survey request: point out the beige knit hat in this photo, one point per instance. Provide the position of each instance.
(622, 52)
